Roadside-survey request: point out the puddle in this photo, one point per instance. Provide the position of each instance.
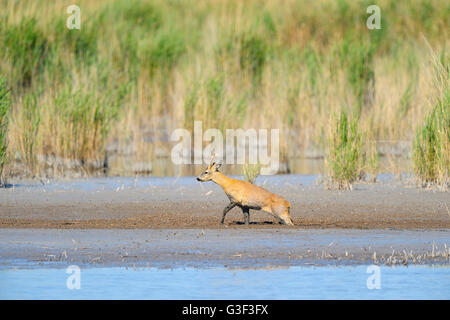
(305, 282)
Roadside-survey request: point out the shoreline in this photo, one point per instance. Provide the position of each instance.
(198, 248)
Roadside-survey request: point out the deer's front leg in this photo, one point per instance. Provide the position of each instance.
(227, 208)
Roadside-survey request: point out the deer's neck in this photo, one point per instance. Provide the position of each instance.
(222, 180)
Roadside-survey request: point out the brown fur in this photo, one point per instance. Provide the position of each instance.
(248, 196)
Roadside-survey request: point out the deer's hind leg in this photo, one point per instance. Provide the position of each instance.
(246, 212)
(283, 214)
(280, 212)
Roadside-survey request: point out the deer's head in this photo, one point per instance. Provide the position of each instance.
(208, 174)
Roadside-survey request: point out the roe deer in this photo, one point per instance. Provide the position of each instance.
(247, 196)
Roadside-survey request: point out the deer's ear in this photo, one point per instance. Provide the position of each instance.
(218, 165)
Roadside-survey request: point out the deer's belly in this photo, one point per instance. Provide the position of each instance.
(252, 204)
(244, 199)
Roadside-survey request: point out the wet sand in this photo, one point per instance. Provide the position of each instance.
(174, 222)
(198, 248)
(183, 203)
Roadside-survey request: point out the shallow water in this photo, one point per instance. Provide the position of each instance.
(344, 282)
(136, 183)
(163, 166)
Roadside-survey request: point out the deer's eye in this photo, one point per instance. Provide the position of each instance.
(205, 172)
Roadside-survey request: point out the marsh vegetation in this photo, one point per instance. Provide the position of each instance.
(136, 70)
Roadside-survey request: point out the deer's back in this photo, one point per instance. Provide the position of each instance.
(250, 195)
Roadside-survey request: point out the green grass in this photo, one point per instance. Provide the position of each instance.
(82, 43)
(28, 48)
(253, 52)
(29, 129)
(251, 172)
(344, 152)
(5, 105)
(83, 121)
(215, 92)
(153, 66)
(164, 51)
(357, 59)
(431, 149)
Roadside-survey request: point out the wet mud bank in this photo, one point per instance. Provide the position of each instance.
(201, 248)
(183, 203)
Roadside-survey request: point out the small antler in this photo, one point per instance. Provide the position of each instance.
(213, 156)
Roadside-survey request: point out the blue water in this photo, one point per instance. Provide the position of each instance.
(344, 282)
(112, 183)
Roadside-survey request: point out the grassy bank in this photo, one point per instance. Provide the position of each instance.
(431, 148)
(136, 70)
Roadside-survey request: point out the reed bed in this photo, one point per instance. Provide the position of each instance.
(431, 148)
(5, 105)
(136, 70)
(251, 172)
